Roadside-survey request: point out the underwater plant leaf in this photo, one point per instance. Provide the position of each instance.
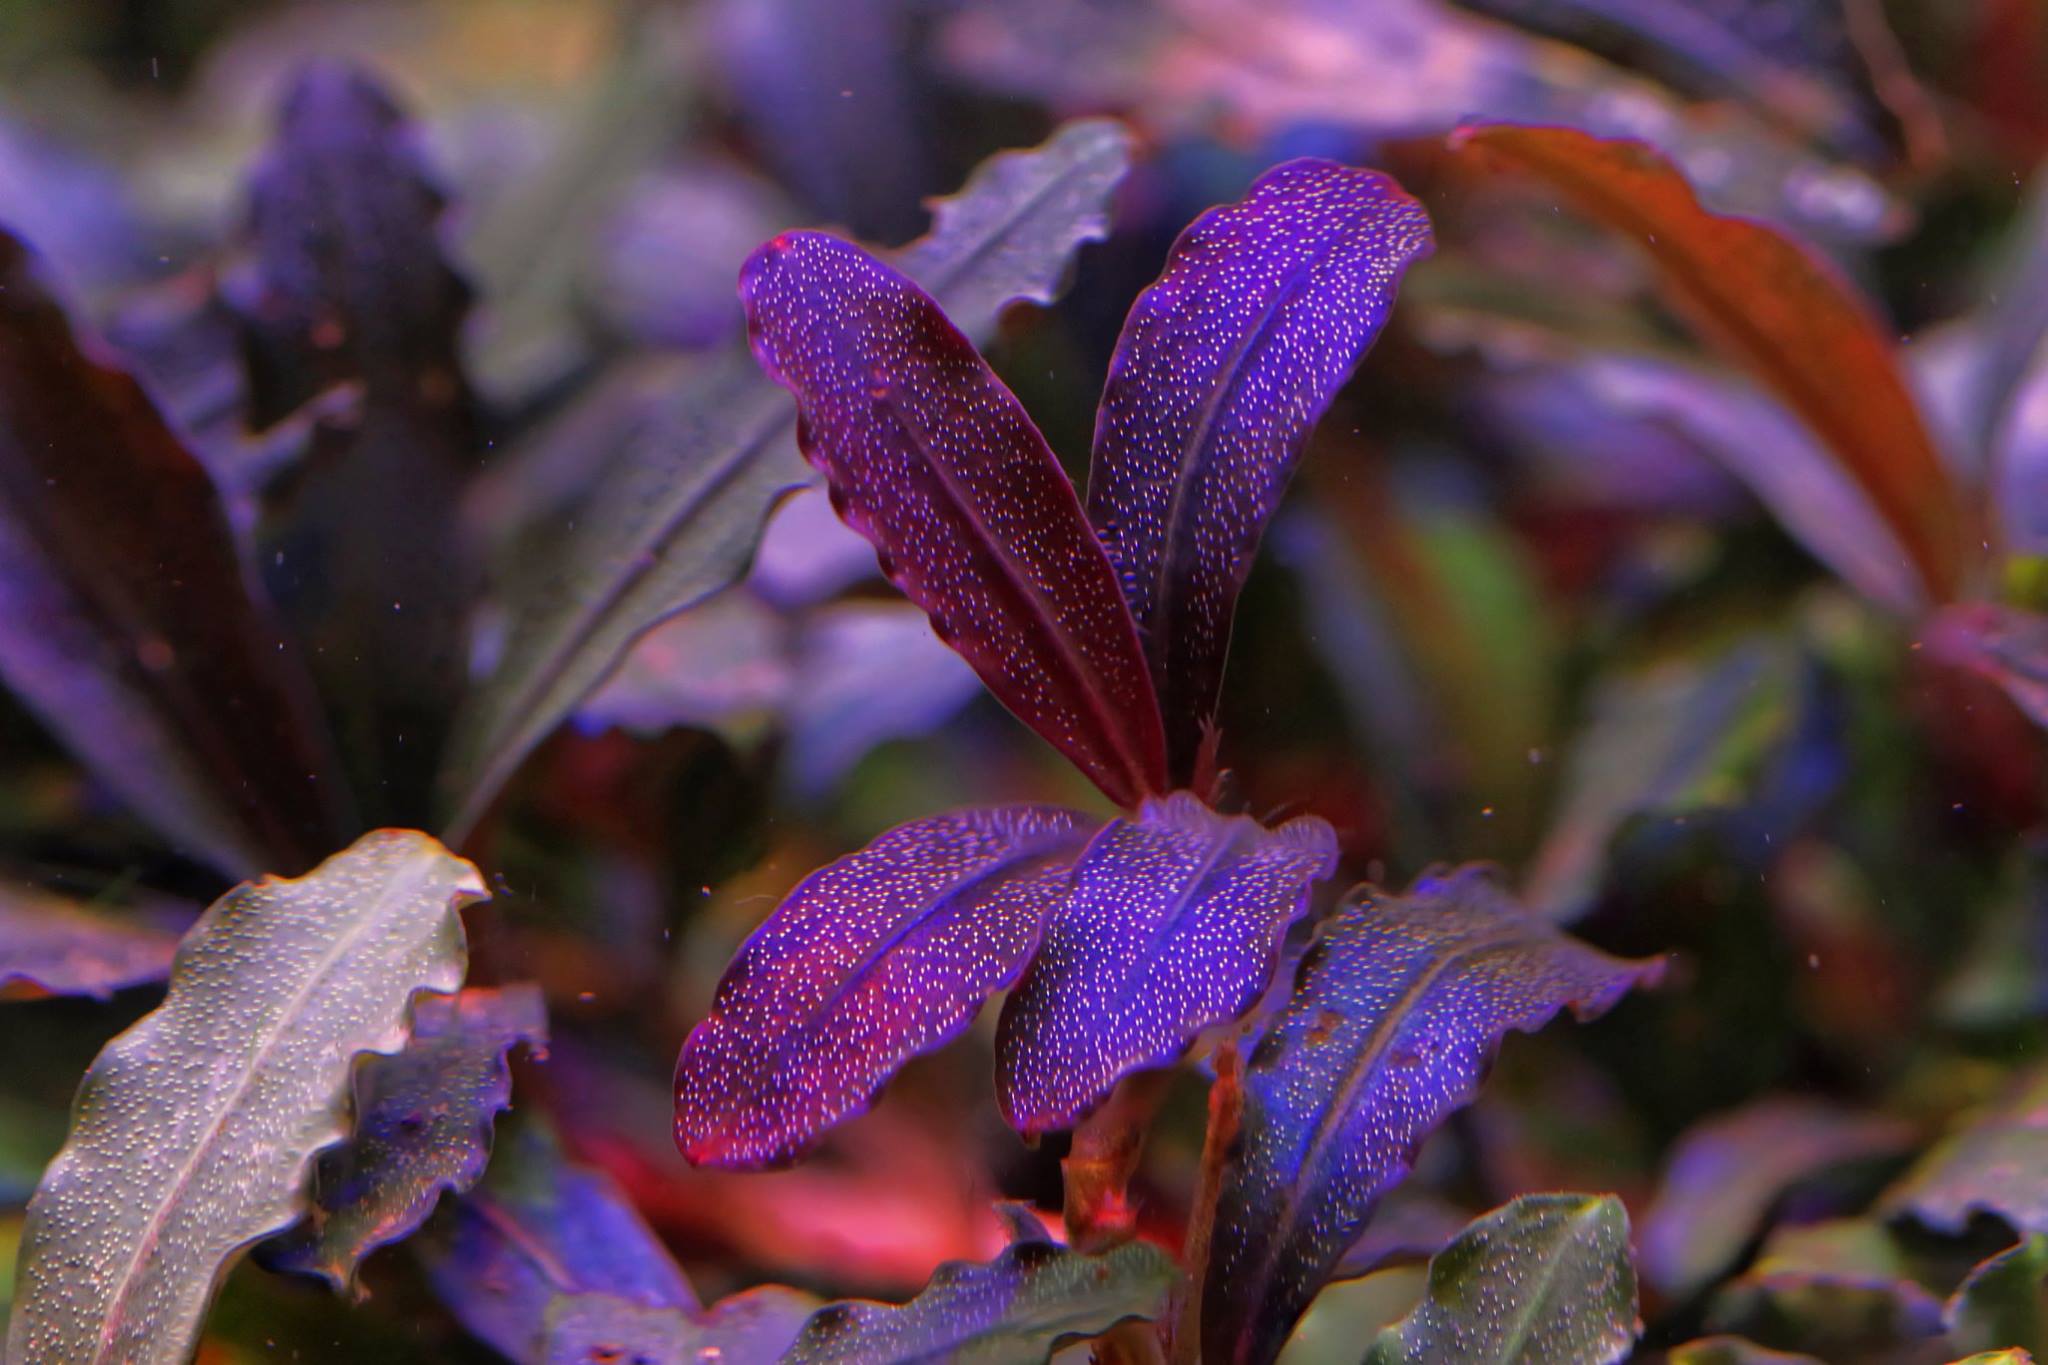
(195, 1130)
(1996, 1163)
(933, 459)
(422, 1128)
(536, 1227)
(363, 551)
(1547, 1277)
(2002, 1302)
(126, 624)
(1724, 1175)
(2007, 645)
(1727, 1350)
(1779, 309)
(50, 945)
(679, 507)
(1015, 1310)
(756, 1325)
(1173, 925)
(1843, 1289)
(1397, 1008)
(1225, 365)
(870, 961)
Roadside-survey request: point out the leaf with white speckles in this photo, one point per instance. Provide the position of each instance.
(423, 1126)
(678, 510)
(195, 1130)
(1013, 1311)
(1224, 367)
(1173, 925)
(1545, 1279)
(1397, 1009)
(879, 957)
(934, 460)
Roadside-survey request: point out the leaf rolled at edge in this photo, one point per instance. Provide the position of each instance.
(1547, 1277)
(1777, 307)
(422, 1128)
(678, 512)
(933, 459)
(1397, 1009)
(1224, 366)
(195, 1130)
(870, 961)
(126, 620)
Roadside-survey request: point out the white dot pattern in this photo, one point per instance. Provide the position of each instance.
(870, 961)
(930, 457)
(1224, 367)
(1173, 925)
(1396, 1011)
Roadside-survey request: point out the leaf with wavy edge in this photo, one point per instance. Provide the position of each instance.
(933, 459)
(1996, 1163)
(870, 961)
(1547, 1277)
(1015, 1310)
(1778, 308)
(679, 510)
(423, 1127)
(1397, 1009)
(538, 1227)
(50, 945)
(1173, 925)
(1225, 365)
(195, 1130)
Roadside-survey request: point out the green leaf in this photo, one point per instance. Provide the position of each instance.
(1734, 1351)
(1844, 1289)
(678, 511)
(1546, 1279)
(2001, 1302)
(195, 1130)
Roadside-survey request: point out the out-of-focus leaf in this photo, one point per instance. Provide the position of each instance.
(348, 282)
(2002, 1301)
(2014, 1356)
(933, 459)
(1173, 925)
(679, 509)
(1546, 1278)
(1780, 311)
(1996, 1163)
(1396, 1010)
(538, 1227)
(1844, 1290)
(1725, 1350)
(1225, 365)
(869, 962)
(1724, 1175)
(422, 1128)
(53, 946)
(1013, 1311)
(1402, 1232)
(128, 627)
(592, 1328)
(2008, 645)
(722, 663)
(194, 1130)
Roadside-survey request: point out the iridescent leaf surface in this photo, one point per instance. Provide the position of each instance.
(1224, 367)
(879, 957)
(125, 619)
(423, 1127)
(1173, 925)
(53, 946)
(1996, 1163)
(678, 508)
(1396, 1011)
(933, 459)
(1547, 1278)
(194, 1132)
(1015, 1310)
(1776, 307)
(535, 1228)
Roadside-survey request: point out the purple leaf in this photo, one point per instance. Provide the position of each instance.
(537, 1227)
(53, 946)
(879, 957)
(1724, 1176)
(1173, 925)
(423, 1126)
(1997, 1164)
(1224, 367)
(1397, 1009)
(757, 1325)
(930, 457)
